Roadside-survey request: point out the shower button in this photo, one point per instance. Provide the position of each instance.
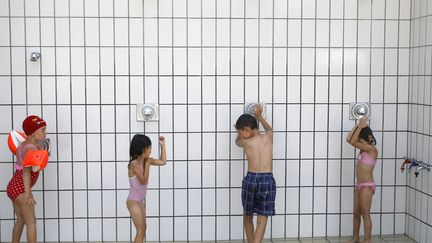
(249, 108)
(360, 110)
(147, 112)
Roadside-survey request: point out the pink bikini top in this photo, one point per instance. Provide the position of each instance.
(365, 158)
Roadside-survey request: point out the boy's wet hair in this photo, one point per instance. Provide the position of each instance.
(246, 120)
(364, 134)
(138, 145)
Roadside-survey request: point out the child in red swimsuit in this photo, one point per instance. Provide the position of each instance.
(19, 187)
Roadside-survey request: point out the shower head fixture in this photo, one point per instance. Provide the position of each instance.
(35, 56)
(360, 110)
(249, 108)
(147, 112)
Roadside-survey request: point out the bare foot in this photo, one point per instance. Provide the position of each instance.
(353, 240)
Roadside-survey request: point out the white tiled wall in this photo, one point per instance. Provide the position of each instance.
(419, 198)
(201, 61)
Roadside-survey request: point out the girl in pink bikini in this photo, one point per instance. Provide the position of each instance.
(138, 170)
(361, 137)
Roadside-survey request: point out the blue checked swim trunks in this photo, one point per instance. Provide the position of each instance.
(259, 193)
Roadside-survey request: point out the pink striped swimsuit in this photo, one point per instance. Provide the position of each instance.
(137, 190)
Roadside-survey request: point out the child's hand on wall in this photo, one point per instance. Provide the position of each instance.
(363, 122)
(162, 140)
(258, 111)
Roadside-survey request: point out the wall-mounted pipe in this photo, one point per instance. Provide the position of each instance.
(420, 165)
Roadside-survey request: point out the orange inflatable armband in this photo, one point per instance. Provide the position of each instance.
(14, 139)
(37, 159)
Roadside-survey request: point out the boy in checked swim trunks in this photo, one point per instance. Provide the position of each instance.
(258, 186)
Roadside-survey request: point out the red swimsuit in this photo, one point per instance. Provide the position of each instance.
(16, 184)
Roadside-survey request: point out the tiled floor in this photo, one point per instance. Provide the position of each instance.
(375, 239)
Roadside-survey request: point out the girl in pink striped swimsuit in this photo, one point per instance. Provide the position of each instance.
(361, 137)
(138, 170)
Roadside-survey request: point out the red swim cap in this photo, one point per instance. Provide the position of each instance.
(31, 124)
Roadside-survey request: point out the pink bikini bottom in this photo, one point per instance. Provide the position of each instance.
(361, 185)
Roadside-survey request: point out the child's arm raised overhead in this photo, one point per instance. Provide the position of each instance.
(350, 134)
(258, 114)
(354, 141)
(162, 157)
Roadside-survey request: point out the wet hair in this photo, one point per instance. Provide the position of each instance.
(246, 120)
(138, 145)
(365, 133)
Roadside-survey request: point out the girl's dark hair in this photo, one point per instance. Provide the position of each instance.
(137, 146)
(364, 134)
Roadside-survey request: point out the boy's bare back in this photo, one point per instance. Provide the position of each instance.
(258, 151)
(259, 146)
